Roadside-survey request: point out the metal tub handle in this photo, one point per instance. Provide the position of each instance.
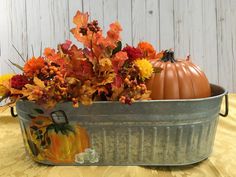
(13, 114)
(226, 107)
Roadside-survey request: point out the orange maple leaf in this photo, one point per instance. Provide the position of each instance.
(81, 19)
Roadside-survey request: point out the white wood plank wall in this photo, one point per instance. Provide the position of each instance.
(206, 29)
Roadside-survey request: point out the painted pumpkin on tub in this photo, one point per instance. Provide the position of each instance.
(58, 143)
(179, 79)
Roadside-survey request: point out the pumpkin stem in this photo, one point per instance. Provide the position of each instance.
(168, 55)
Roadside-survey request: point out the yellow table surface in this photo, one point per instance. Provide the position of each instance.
(222, 163)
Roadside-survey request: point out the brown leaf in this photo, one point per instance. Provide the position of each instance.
(117, 91)
(16, 65)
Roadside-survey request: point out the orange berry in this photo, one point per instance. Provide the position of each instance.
(126, 79)
(51, 72)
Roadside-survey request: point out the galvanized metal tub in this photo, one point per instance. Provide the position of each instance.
(159, 133)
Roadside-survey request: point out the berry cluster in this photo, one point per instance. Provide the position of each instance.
(52, 77)
(134, 90)
(49, 71)
(93, 27)
(126, 100)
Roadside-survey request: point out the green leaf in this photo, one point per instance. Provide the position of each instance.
(32, 117)
(16, 65)
(39, 122)
(63, 131)
(48, 140)
(118, 48)
(56, 130)
(63, 128)
(43, 143)
(33, 148)
(70, 128)
(34, 128)
(39, 111)
(50, 127)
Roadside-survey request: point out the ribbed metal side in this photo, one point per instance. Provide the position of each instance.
(178, 141)
(116, 150)
(182, 144)
(154, 143)
(166, 142)
(141, 145)
(104, 145)
(128, 152)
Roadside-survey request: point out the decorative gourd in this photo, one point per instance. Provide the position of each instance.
(56, 142)
(179, 79)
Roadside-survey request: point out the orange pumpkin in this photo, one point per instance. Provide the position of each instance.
(179, 79)
(63, 148)
(58, 143)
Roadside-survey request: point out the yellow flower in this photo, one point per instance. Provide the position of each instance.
(3, 78)
(145, 68)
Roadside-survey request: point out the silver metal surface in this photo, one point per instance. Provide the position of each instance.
(157, 132)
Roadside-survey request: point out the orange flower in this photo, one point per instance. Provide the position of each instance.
(159, 55)
(147, 49)
(33, 66)
(48, 52)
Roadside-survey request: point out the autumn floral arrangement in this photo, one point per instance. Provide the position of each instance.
(102, 70)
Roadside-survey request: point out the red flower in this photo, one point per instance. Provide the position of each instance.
(132, 52)
(19, 81)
